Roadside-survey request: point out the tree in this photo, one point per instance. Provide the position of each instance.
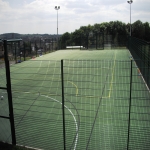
(117, 29)
(147, 31)
(138, 29)
(76, 37)
(65, 40)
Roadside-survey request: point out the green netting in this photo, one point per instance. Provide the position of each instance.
(97, 101)
(141, 52)
(5, 132)
(99, 97)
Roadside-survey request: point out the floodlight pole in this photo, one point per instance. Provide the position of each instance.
(57, 8)
(130, 2)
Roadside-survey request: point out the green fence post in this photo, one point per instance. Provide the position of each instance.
(24, 50)
(49, 45)
(130, 98)
(15, 54)
(80, 42)
(35, 48)
(148, 75)
(103, 40)
(11, 114)
(63, 105)
(87, 41)
(52, 44)
(60, 44)
(96, 40)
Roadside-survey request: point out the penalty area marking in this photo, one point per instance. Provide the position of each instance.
(76, 140)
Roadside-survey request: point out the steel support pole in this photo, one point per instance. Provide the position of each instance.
(11, 114)
(63, 104)
(130, 98)
(130, 19)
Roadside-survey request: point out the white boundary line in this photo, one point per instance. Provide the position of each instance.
(145, 83)
(141, 74)
(32, 148)
(76, 140)
(22, 146)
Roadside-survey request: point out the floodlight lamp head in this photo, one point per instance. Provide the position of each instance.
(57, 7)
(130, 2)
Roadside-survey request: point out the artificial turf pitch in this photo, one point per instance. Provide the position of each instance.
(97, 94)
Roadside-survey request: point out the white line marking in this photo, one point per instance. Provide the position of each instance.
(76, 140)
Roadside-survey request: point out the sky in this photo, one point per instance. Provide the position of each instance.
(39, 16)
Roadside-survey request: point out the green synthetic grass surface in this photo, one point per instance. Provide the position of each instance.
(96, 92)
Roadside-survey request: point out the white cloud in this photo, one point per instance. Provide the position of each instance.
(39, 16)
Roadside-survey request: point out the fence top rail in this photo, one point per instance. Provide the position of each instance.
(85, 60)
(104, 60)
(141, 40)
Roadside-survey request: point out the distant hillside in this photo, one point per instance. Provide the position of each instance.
(26, 36)
(10, 35)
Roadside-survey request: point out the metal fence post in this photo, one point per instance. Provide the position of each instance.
(11, 114)
(103, 40)
(49, 45)
(96, 40)
(52, 44)
(80, 41)
(87, 41)
(24, 47)
(130, 98)
(15, 53)
(148, 65)
(63, 105)
(35, 48)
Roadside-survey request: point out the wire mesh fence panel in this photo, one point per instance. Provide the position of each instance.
(11, 51)
(140, 109)
(119, 41)
(98, 93)
(36, 91)
(29, 49)
(100, 41)
(4, 111)
(84, 41)
(108, 41)
(92, 41)
(140, 51)
(106, 102)
(5, 132)
(2, 73)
